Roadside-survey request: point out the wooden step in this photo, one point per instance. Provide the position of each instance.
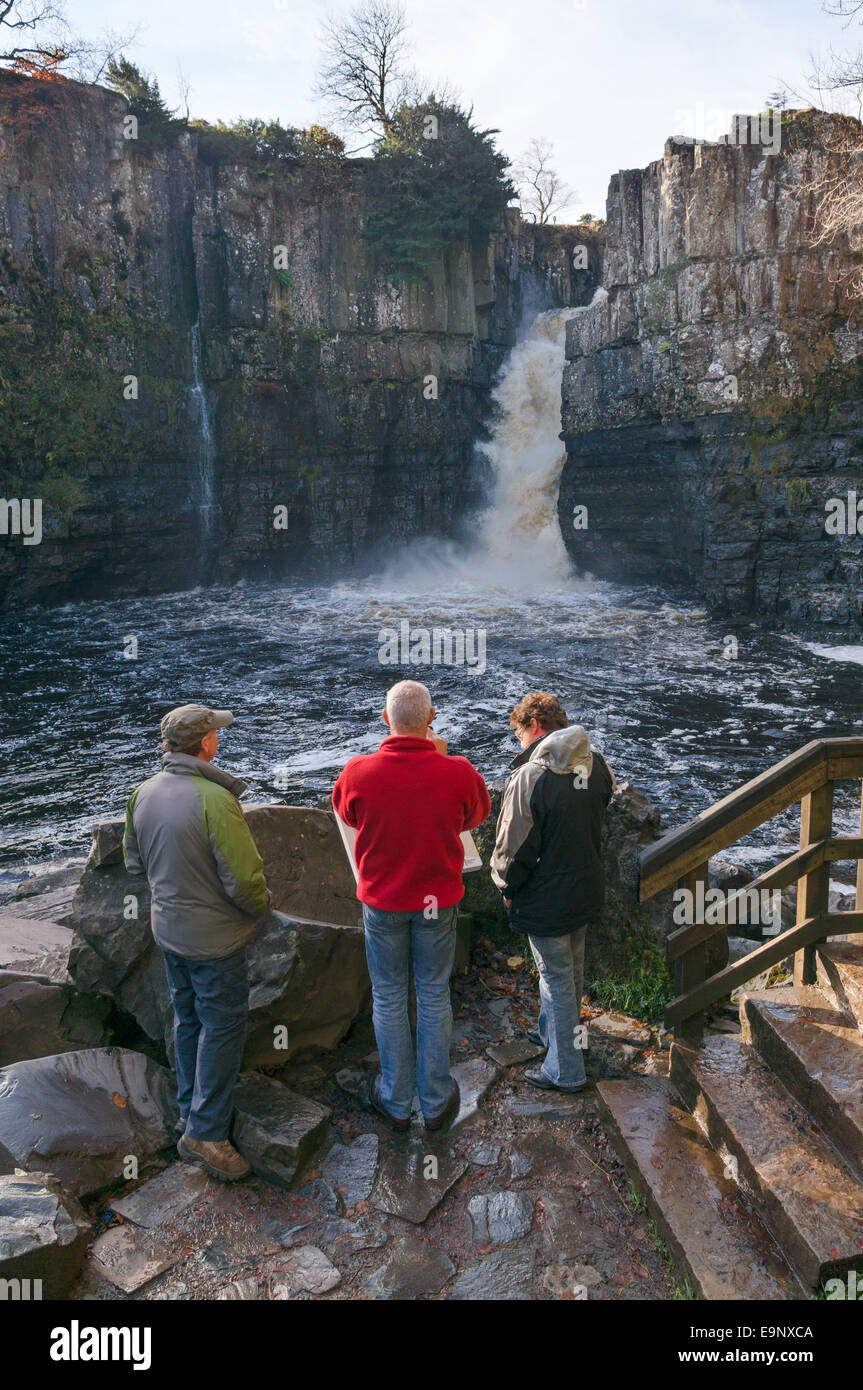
(709, 1229)
(817, 1052)
(840, 966)
(803, 1191)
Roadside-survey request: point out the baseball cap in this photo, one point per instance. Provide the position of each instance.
(185, 726)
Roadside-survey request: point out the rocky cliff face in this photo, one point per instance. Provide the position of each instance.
(316, 411)
(712, 397)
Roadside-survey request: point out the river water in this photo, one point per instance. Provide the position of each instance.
(652, 679)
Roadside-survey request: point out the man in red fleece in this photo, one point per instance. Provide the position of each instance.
(409, 804)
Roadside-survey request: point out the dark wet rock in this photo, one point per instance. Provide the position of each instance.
(343, 1238)
(551, 1104)
(511, 1054)
(163, 1197)
(307, 972)
(306, 1270)
(322, 1195)
(536, 1154)
(475, 1079)
(413, 1180)
(350, 1168)
(570, 1235)
(486, 1156)
(503, 1275)
(81, 1115)
(607, 1059)
(354, 1082)
(500, 1217)
(39, 1018)
(619, 1030)
(277, 1130)
(415, 1269)
(43, 1233)
(128, 1260)
(106, 843)
(571, 1281)
(289, 1235)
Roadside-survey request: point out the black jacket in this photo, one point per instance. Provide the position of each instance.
(547, 856)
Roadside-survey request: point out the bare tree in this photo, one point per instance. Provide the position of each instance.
(364, 75)
(543, 191)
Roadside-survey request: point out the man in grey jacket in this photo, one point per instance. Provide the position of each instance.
(185, 830)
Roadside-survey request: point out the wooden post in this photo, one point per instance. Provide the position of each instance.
(813, 891)
(690, 969)
(859, 903)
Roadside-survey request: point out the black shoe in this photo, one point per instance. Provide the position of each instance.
(537, 1077)
(533, 1036)
(377, 1104)
(449, 1111)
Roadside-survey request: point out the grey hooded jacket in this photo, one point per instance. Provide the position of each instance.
(185, 830)
(547, 855)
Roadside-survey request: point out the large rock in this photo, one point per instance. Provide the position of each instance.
(43, 1234)
(308, 975)
(39, 1018)
(278, 1131)
(82, 1116)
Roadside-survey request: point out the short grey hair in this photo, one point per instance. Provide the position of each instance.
(408, 705)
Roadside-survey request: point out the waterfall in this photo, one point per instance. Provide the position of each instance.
(519, 544)
(206, 442)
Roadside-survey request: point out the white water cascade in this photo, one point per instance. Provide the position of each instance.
(206, 442)
(519, 544)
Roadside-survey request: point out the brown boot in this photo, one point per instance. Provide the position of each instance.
(218, 1157)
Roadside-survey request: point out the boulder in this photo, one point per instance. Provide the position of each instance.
(43, 1234)
(39, 1018)
(82, 1116)
(278, 1131)
(35, 947)
(308, 975)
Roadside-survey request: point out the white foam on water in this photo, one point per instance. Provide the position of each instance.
(849, 653)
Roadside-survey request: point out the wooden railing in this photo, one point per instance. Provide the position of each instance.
(681, 858)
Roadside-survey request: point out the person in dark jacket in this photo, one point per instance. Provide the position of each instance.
(547, 863)
(186, 831)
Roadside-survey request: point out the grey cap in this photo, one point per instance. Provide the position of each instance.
(185, 726)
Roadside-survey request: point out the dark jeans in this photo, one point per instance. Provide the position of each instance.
(211, 1005)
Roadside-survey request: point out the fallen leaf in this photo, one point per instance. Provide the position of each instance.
(119, 1101)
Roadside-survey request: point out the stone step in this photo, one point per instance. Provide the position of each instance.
(817, 1052)
(840, 968)
(802, 1190)
(711, 1232)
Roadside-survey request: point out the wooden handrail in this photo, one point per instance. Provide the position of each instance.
(804, 934)
(679, 851)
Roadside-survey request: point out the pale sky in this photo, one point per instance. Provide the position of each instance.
(606, 81)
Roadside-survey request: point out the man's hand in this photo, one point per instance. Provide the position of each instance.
(507, 902)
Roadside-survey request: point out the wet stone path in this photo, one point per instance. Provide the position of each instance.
(521, 1199)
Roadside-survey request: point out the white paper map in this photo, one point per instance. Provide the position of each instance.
(472, 860)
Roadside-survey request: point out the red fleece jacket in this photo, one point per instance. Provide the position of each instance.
(409, 804)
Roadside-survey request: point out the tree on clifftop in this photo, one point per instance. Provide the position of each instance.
(36, 40)
(543, 191)
(364, 75)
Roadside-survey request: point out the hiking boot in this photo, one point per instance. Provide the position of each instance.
(377, 1104)
(537, 1077)
(219, 1157)
(449, 1111)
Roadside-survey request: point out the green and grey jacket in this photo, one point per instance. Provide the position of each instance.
(185, 830)
(547, 857)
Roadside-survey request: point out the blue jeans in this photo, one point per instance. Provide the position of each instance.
(560, 962)
(393, 939)
(211, 1005)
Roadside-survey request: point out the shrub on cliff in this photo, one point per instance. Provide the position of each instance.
(435, 179)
